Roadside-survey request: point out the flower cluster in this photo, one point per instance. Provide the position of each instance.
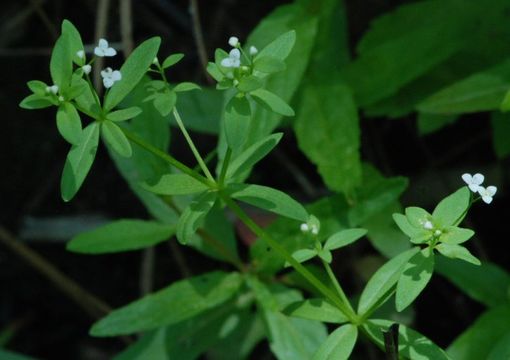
(103, 49)
(474, 182)
(313, 226)
(234, 56)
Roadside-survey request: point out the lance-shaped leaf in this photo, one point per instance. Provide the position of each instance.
(344, 238)
(316, 309)
(115, 137)
(193, 216)
(121, 235)
(61, 62)
(457, 252)
(452, 209)
(171, 60)
(272, 102)
(79, 161)
(176, 184)
(339, 344)
(180, 301)
(268, 64)
(132, 71)
(124, 114)
(268, 199)
(69, 123)
(75, 42)
(237, 121)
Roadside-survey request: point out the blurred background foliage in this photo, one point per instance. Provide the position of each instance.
(383, 91)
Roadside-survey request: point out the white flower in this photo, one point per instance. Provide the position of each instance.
(253, 50)
(315, 229)
(233, 60)
(428, 225)
(103, 49)
(52, 89)
(80, 54)
(304, 227)
(487, 193)
(86, 69)
(233, 41)
(110, 77)
(473, 181)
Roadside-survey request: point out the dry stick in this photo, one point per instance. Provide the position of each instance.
(100, 32)
(88, 302)
(199, 38)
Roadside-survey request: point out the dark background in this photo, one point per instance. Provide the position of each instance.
(46, 323)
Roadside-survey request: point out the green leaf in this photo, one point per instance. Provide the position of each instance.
(236, 120)
(344, 238)
(124, 114)
(500, 134)
(193, 216)
(411, 344)
(417, 216)
(325, 255)
(303, 255)
(186, 86)
(201, 109)
(279, 48)
(182, 300)
(172, 60)
(482, 336)
(268, 64)
(69, 123)
(486, 283)
(315, 309)
(121, 235)
(339, 344)
(378, 289)
(429, 123)
(252, 155)
(132, 71)
(328, 133)
(403, 223)
(79, 161)
(268, 199)
(457, 252)
(176, 184)
(9, 355)
(37, 87)
(115, 137)
(502, 349)
(456, 235)
(452, 209)
(75, 42)
(272, 102)
(483, 91)
(415, 276)
(61, 62)
(75, 90)
(164, 102)
(34, 101)
(249, 83)
(214, 71)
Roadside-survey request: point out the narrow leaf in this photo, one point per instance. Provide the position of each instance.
(237, 121)
(124, 114)
(316, 309)
(61, 63)
(69, 123)
(452, 209)
(272, 101)
(339, 344)
(115, 138)
(344, 238)
(268, 64)
(186, 86)
(193, 216)
(34, 101)
(176, 184)
(172, 60)
(457, 252)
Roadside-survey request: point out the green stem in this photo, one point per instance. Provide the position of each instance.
(201, 162)
(337, 286)
(353, 318)
(168, 158)
(94, 94)
(224, 166)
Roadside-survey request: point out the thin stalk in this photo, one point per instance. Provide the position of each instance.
(353, 318)
(168, 158)
(337, 286)
(224, 166)
(201, 162)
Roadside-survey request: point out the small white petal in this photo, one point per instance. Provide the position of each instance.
(116, 75)
(233, 41)
(54, 89)
(106, 72)
(487, 199)
(103, 44)
(304, 227)
(110, 52)
(477, 179)
(428, 225)
(227, 62)
(80, 54)
(468, 179)
(491, 190)
(107, 82)
(474, 188)
(234, 54)
(253, 50)
(98, 52)
(86, 69)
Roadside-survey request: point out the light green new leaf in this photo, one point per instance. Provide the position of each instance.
(403, 223)
(456, 235)
(61, 62)
(327, 129)
(339, 344)
(37, 87)
(69, 123)
(132, 71)
(268, 64)
(303, 255)
(414, 278)
(34, 101)
(272, 102)
(164, 102)
(180, 301)
(378, 289)
(344, 238)
(411, 344)
(186, 86)
(452, 209)
(236, 120)
(325, 255)
(115, 137)
(417, 216)
(481, 338)
(124, 114)
(486, 283)
(268, 199)
(193, 216)
(249, 83)
(252, 155)
(79, 161)
(176, 184)
(121, 235)
(457, 252)
(316, 309)
(172, 60)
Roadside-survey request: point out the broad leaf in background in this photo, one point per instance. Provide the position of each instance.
(201, 110)
(121, 235)
(486, 283)
(236, 120)
(411, 344)
(339, 344)
(79, 161)
(429, 123)
(182, 300)
(481, 337)
(500, 134)
(406, 43)
(328, 133)
(502, 349)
